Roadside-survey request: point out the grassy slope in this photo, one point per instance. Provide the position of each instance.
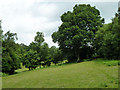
(81, 75)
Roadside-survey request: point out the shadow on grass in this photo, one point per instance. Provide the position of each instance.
(38, 68)
(98, 61)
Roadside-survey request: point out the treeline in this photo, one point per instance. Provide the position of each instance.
(82, 35)
(35, 55)
(107, 40)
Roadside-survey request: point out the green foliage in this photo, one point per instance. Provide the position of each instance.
(22, 50)
(86, 60)
(45, 55)
(77, 31)
(1, 35)
(56, 55)
(30, 60)
(119, 15)
(36, 49)
(38, 53)
(3, 74)
(39, 38)
(108, 40)
(10, 59)
(81, 35)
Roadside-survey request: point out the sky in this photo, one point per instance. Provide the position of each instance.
(26, 17)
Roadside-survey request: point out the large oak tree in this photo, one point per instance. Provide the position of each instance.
(76, 33)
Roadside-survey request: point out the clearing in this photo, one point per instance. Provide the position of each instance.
(78, 75)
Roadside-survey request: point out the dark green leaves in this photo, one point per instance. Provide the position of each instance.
(78, 29)
(108, 40)
(10, 59)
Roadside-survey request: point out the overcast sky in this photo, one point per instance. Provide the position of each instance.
(26, 17)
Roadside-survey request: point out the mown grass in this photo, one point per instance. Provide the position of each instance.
(107, 62)
(79, 75)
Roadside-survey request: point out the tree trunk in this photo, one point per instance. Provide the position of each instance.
(12, 72)
(29, 69)
(78, 58)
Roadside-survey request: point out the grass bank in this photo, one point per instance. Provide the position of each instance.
(79, 75)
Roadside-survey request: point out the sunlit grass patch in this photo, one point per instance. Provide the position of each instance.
(107, 62)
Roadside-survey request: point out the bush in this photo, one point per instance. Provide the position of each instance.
(84, 60)
(3, 74)
(118, 62)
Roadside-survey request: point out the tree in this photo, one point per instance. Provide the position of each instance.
(119, 15)
(42, 50)
(31, 60)
(45, 55)
(56, 55)
(23, 49)
(10, 59)
(36, 46)
(100, 44)
(77, 31)
(53, 50)
(39, 38)
(108, 40)
(1, 35)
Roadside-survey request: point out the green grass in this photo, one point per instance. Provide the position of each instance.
(107, 62)
(78, 75)
(23, 69)
(3, 74)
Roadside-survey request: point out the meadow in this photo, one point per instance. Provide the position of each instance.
(83, 35)
(89, 74)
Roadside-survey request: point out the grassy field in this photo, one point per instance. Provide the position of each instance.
(79, 75)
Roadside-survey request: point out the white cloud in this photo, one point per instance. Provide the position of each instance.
(25, 38)
(18, 17)
(46, 10)
(49, 41)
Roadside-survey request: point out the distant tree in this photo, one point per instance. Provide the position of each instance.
(42, 49)
(36, 46)
(77, 31)
(1, 35)
(108, 40)
(100, 44)
(10, 59)
(45, 54)
(53, 50)
(119, 15)
(22, 49)
(30, 60)
(58, 56)
(39, 38)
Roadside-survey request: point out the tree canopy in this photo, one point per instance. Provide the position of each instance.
(77, 30)
(108, 40)
(10, 59)
(81, 35)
